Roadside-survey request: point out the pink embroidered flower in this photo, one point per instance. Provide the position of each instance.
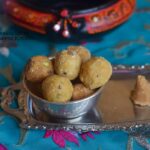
(88, 134)
(2, 147)
(59, 137)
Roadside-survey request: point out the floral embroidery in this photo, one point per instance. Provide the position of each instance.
(2, 147)
(88, 134)
(59, 137)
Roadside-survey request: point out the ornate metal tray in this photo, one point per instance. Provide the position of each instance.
(115, 111)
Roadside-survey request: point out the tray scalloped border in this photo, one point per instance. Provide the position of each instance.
(28, 122)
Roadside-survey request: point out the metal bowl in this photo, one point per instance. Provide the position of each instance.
(72, 109)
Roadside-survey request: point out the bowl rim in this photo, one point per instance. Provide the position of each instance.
(99, 90)
(74, 12)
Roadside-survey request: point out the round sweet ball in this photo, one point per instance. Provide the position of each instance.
(38, 68)
(67, 64)
(80, 92)
(56, 88)
(95, 72)
(81, 51)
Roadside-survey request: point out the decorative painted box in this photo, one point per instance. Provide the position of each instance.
(69, 17)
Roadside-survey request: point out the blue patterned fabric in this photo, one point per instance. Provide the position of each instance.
(128, 44)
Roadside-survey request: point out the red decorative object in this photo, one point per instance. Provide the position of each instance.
(63, 23)
(66, 33)
(57, 27)
(66, 21)
(64, 13)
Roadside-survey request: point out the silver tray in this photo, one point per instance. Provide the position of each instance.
(115, 111)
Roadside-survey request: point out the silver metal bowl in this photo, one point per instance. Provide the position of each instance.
(72, 109)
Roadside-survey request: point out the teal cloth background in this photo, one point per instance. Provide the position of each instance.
(128, 44)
